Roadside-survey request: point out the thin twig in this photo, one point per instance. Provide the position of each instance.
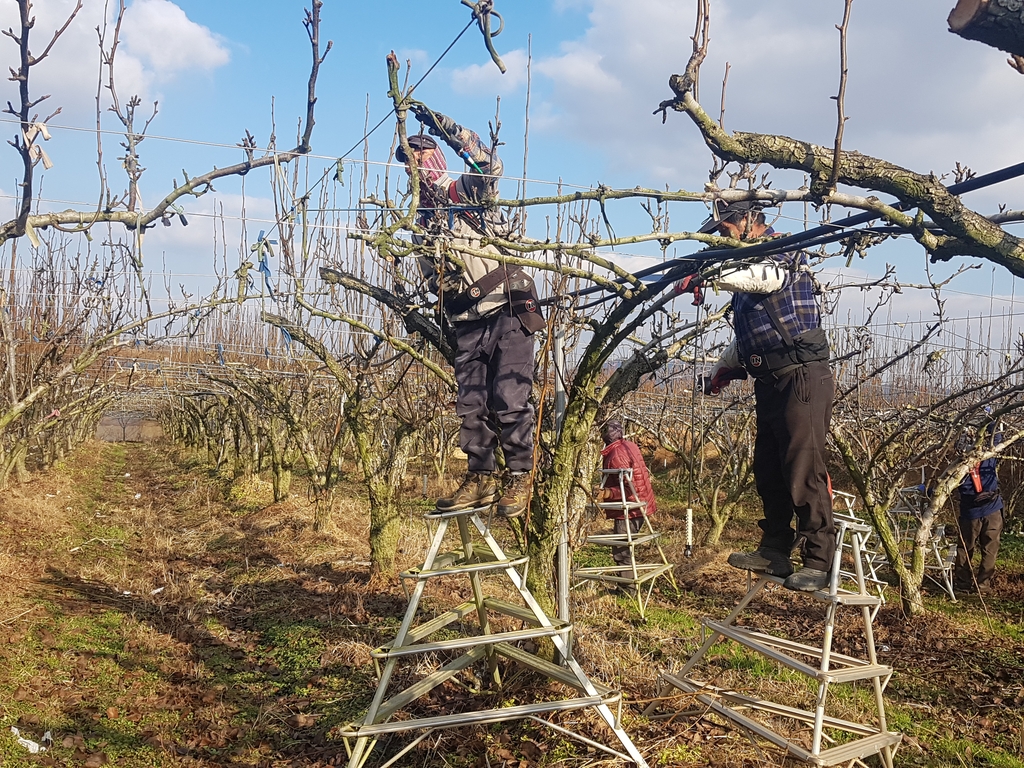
(841, 97)
(725, 82)
(18, 616)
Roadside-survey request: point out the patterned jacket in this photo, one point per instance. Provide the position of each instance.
(457, 220)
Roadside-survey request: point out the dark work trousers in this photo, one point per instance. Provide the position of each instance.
(982, 534)
(621, 554)
(793, 414)
(494, 373)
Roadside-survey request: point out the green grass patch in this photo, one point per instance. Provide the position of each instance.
(962, 752)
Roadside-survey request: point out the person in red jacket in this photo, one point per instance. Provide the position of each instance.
(619, 453)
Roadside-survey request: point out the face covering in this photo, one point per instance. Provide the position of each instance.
(434, 180)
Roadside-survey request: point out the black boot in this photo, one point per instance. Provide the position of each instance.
(774, 562)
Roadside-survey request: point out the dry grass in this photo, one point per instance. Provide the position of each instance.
(154, 614)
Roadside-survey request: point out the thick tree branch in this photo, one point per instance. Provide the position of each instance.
(967, 233)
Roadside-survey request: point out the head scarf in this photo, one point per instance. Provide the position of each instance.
(434, 180)
(612, 431)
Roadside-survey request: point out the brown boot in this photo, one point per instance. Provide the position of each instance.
(516, 497)
(477, 490)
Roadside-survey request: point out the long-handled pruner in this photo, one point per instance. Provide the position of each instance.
(482, 12)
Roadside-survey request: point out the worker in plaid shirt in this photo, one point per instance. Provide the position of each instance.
(779, 341)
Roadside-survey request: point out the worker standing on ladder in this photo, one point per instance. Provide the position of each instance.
(620, 453)
(780, 342)
(493, 309)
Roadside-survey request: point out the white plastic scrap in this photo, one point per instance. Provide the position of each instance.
(28, 744)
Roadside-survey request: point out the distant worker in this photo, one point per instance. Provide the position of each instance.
(780, 342)
(620, 453)
(493, 309)
(981, 524)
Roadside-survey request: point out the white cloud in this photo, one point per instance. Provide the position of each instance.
(160, 43)
(160, 34)
(917, 95)
(487, 78)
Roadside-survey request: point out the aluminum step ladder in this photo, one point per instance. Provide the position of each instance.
(476, 556)
(637, 578)
(825, 740)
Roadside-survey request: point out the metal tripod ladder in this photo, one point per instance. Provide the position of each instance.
(474, 559)
(868, 547)
(820, 664)
(639, 577)
(940, 555)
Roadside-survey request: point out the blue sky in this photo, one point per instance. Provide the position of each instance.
(917, 94)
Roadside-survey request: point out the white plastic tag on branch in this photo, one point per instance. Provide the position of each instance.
(34, 150)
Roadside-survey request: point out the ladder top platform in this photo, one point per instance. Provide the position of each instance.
(441, 514)
(842, 596)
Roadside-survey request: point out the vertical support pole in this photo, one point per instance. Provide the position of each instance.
(563, 534)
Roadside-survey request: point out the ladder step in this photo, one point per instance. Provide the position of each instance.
(719, 701)
(617, 506)
(842, 596)
(749, 702)
(431, 681)
(774, 647)
(439, 514)
(384, 652)
(554, 671)
(462, 567)
(479, 717)
(458, 613)
(855, 750)
(520, 612)
(607, 573)
(620, 540)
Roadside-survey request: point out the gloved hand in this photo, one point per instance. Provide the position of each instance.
(719, 379)
(437, 124)
(692, 284)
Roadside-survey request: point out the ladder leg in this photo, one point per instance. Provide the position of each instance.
(478, 598)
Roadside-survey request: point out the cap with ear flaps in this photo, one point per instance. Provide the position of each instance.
(416, 141)
(727, 212)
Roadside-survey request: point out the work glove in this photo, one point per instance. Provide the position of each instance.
(719, 379)
(692, 284)
(437, 124)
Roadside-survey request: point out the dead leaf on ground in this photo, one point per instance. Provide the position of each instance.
(301, 720)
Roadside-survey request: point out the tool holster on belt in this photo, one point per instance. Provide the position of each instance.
(522, 294)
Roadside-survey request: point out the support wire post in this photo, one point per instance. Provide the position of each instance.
(563, 534)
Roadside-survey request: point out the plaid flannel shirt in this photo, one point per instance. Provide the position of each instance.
(795, 304)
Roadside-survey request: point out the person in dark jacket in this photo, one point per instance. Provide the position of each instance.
(780, 342)
(493, 309)
(981, 524)
(620, 453)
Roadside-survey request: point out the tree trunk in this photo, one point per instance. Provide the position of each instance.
(13, 463)
(384, 469)
(282, 481)
(719, 517)
(551, 506)
(323, 510)
(998, 23)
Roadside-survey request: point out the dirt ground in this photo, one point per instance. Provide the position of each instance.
(154, 614)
